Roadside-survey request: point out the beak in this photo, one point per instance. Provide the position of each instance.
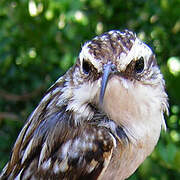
(108, 69)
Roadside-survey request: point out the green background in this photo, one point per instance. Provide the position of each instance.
(40, 40)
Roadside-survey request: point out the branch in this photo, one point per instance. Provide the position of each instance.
(24, 97)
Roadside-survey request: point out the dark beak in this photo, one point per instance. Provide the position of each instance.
(108, 69)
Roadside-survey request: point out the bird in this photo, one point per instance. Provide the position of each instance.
(100, 120)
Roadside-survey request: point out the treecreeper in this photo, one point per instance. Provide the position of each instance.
(100, 120)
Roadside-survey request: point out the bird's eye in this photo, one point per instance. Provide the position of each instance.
(86, 67)
(139, 65)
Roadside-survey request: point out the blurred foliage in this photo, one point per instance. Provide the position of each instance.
(40, 40)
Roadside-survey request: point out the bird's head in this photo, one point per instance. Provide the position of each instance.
(117, 73)
(121, 55)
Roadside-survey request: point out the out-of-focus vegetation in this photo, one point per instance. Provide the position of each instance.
(40, 40)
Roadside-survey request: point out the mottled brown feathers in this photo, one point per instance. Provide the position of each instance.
(98, 121)
(110, 45)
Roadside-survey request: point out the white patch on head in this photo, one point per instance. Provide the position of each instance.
(84, 54)
(137, 50)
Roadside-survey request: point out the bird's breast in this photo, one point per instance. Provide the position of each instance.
(135, 108)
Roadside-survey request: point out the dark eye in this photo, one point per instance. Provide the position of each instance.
(86, 67)
(139, 66)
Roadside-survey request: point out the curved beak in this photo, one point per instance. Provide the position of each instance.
(108, 69)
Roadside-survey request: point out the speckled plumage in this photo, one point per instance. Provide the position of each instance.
(71, 135)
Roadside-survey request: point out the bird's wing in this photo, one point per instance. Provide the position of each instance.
(51, 147)
(79, 153)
